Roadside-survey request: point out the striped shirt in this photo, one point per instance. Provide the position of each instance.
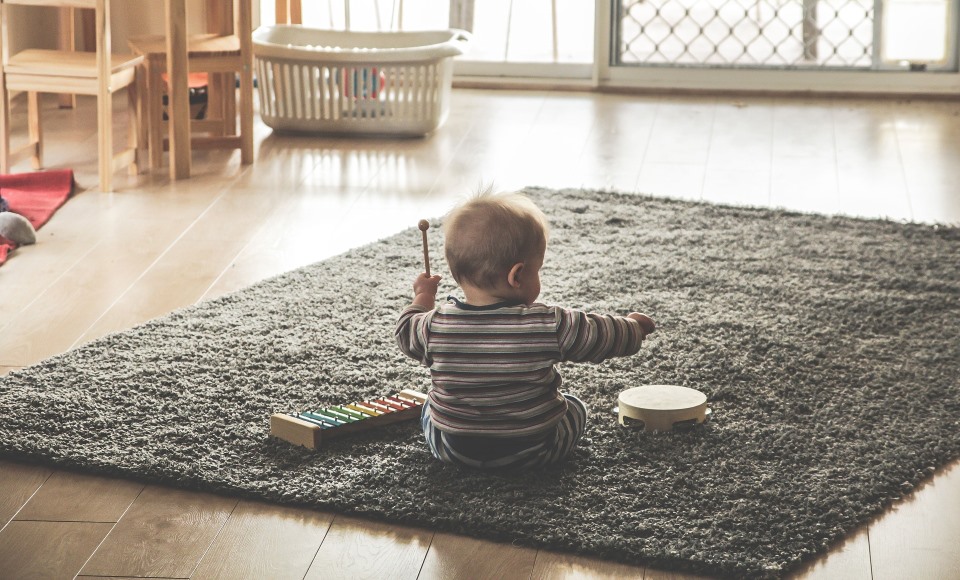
(492, 367)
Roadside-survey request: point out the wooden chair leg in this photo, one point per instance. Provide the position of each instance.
(228, 91)
(135, 131)
(215, 103)
(67, 41)
(155, 125)
(246, 116)
(105, 139)
(34, 130)
(245, 17)
(4, 129)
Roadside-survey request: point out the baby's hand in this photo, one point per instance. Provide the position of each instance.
(646, 323)
(426, 285)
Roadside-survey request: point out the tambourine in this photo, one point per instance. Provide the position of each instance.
(662, 407)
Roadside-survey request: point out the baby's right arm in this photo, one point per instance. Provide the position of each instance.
(589, 337)
(411, 333)
(411, 330)
(425, 290)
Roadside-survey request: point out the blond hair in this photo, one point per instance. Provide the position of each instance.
(489, 233)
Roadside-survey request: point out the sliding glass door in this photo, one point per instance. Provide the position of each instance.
(901, 46)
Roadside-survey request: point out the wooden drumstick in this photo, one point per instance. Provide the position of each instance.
(424, 225)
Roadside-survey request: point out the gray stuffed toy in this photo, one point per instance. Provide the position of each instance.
(15, 227)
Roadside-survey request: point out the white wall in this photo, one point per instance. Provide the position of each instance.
(132, 18)
(31, 27)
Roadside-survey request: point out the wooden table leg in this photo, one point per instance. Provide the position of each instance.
(221, 87)
(66, 41)
(288, 12)
(179, 97)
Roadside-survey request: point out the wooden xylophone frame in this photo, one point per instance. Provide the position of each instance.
(309, 428)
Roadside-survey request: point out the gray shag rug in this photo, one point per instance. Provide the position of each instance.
(829, 349)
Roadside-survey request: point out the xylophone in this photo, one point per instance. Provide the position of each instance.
(662, 407)
(308, 428)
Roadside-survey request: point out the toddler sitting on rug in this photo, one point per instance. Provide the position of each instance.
(495, 401)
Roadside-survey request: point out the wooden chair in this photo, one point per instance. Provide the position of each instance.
(97, 73)
(223, 54)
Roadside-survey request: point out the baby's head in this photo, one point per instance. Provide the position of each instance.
(489, 234)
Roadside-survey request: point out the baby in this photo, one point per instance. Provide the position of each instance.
(496, 400)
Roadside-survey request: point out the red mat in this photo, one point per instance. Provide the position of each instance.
(35, 196)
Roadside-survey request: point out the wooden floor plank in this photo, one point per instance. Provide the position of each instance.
(559, 566)
(293, 237)
(918, 537)
(44, 550)
(18, 483)
(25, 339)
(164, 534)
(4, 369)
(24, 281)
(205, 250)
(451, 557)
(75, 497)
(655, 574)
(848, 559)
(84, 577)
(360, 549)
(265, 541)
(106, 274)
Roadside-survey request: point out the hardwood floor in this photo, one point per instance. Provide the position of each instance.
(106, 262)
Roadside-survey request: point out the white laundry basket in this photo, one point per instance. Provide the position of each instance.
(323, 81)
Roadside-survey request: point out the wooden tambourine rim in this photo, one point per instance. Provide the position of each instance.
(665, 406)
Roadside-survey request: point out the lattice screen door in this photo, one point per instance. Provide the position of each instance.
(806, 34)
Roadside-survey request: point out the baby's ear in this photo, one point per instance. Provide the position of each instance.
(513, 276)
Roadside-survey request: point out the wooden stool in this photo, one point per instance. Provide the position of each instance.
(662, 407)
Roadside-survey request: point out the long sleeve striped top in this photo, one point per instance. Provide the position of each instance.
(492, 367)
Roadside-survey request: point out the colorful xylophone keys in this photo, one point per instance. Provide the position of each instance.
(309, 428)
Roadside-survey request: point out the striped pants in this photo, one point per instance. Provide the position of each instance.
(555, 447)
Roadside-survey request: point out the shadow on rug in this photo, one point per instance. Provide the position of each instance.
(829, 349)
